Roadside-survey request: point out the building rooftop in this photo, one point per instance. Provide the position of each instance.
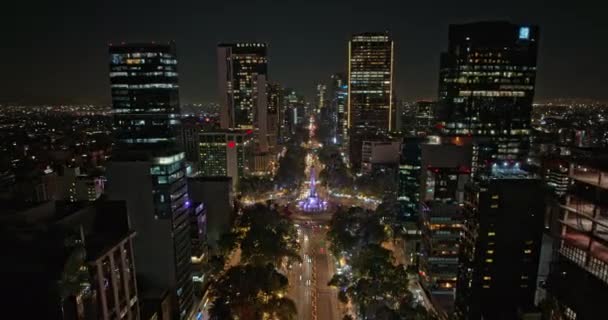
(211, 178)
(508, 170)
(145, 153)
(32, 226)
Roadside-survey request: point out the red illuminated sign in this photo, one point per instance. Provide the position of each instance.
(231, 144)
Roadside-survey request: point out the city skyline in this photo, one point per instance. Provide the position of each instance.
(73, 39)
(279, 161)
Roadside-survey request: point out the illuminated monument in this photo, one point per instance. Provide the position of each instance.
(312, 203)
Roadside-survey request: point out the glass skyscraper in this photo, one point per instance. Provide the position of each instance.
(145, 92)
(339, 94)
(486, 88)
(148, 172)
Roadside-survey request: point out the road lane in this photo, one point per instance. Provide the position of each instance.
(314, 299)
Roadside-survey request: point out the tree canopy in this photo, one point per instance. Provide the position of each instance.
(251, 292)
(254, 289)
(290, 173)
(255, 185)
(335, 174)
(377, 286)
(266, 236)
(353, 229)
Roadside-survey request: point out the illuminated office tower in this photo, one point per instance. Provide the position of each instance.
(147, 170)
(321, 96)
(486, 88)
(370, 82)
(225, 153)
(294, 110)
(276, 114)
(242, 77)
(145, 101)
(338, 95)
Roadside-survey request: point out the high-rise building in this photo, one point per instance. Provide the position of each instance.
(423, 117)
(408, 193)
(486, 88)
(501, 246)
(321, 96)
(216, 193)
(443, 176)
(225, 153)
(294, 110)
(442, 222)
(370, 82)
(242, 69)
(148, 171)
(74, 185)
(77, 255)
(276, 114)
(338, 95)
(370, 91)
(155, 190)
(145, 100)
(577, 286)
(189, 140)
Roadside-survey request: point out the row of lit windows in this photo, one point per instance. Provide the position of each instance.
(374, 38)
(355, 74)
(141, 55)
(155, 73)
(122, 68)
(147, 86)
(496, 67)
(491, 93)
(370, 91)
(248, 45)
(145, 140)
(147, 110)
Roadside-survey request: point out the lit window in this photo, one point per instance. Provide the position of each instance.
(524, 33)
(491, 234)
(487, 278)
(489, 260)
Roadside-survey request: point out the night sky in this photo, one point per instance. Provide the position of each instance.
(56, 51)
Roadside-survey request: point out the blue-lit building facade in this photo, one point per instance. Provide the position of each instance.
(148, 171)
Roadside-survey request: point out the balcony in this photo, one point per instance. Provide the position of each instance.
(586, 217)
(589, 175)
